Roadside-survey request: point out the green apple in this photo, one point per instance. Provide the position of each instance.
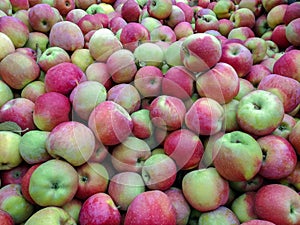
(149, 54)
(82, 58)
(243, 206)
(221, 215)
(6, 45)
(73, 207)
(6, 93)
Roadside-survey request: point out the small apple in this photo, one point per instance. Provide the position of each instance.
(149, 54)
(98, 71)
(33, 90)
(286, 126)
(243, 206)
(14, 175)
(221, 215)
(292, 32)
(159, 9)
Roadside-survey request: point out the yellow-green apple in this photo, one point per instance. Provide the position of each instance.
(102, 44)
(121, 66)
(18, 110)
(13, 202)
(221, 215)
(254, 110)
(187, 9)
(167, 112)
(183, 30)
(242, 33)
(213, 190)
(51, 109)
(246, 186)
(254, 5)
(64, 6)
(6, 7)
(230, 123)
(206, 22)
(17, 70)
(172, 54)
(285, 127)
(243, 206)
(82, 58)
(279, 36)
(159, 172)
(75, 15)
(9, 145)
(144, 207)
(48, 187)
(243, 17)
(42, 17)
(148, 81)
(124, 187)
(258, 48)
(66, 141)
(276, 14)
(8, 26)
(177, 15)
(63, 78)
(149, 54)
(224, 9)
(294, 137)
(258, 222)
(94, 8)
(272, 47)
(126, 95)
(159, 9)
(205, 116)
(286, 88)
(131, 11)
(6, 93)
(291, 13)
(32, 147)
(6, 45)
(180, 205)
(238, 56)
(99, 209)
(178, 82)
(293, 31)
(6, 218)
(193, 55)
(132, 34)
(230, 152)
(51, 57)
(245, 88)
(73, 208)
(142, 125)
(163, 33)
(25, 183)
(150, 23)
(14, 175)
(116, 120)
(116, 23)
(93, 178)
(184, 147)
(130, 155)
(257, 73)
(66, 35)
(50, 215)
(261, 25)
(86, 96)
(37, 40)
(274, 148)
(98, 71)
(225, 26)
(285, 204)
(23, 16)
(89, 22)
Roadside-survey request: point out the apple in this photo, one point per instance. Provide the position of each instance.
(84, 4)
(177, 15)
(16, 74)
(254, 5)
(94, 8)
(14, 175)
(114, 118)
(257, 222)
(214, 189)
(258, 48)
(148, 54)
(6, 7)
(82, 58)
(183, 30)
(292, 32)
(286, 126)
(230, 123)
(247, 186)
(163, 33)
(243, 17)
(291, 13)
(13, 202)
(279, 36)
(33, 90)
(6, 93)
(6, 45)
(89, 22)
(121, 66)
(124, 187)
(194, 57)
(222, 215)
(172, 54)
(64, 6)
(131, 11)
(225, 26)
(241, 33)
(257, 73)
(268, 5)
(294, 137)
(187, 9)
(142, 125)
(205, 116)
(47, 187)
(6, 218)
(292, 180)
(144, 207)
(243, 206)
(254, 110)
(98, 71)
(285, 204)
(261, 26)
(276, 14)
(223, 9)
(75, 15)
(9, 145)
(230, 152)
(159, 9)
(73, 208)
(130, 155)
(206, 22)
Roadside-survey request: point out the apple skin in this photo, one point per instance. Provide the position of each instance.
(14, 175)
(292, 32)
(254, 110)
(206, 22)
(10, 197)
(6, 45)
(258, 48)
(73, 208)
(49, 188)
(172, 53)
(75, 15)
(215, 189)
(285, 204)
(131, 11)
(257, 73)
(291, 13)
(167, 112)
(241, 33)
(221, 83)
(221, 215)
(225, 26)
(223, 9)
(88, 23)
(294, 137)
(286, 126)
(183, 30)
(98, 71)
(184, 147)
(286, 88)
(66, 35)
(18, 110)
(243, 206)
(177, 15)
(292, 180)
(64, 6)
(6, 93)
(116, 23)
(187, 9)
(82, 58)
(163, 33)
(247, 186)
(6, 218)
(268, 5)
(124, 187)
(195, 57)
(258, 222)
(63, 78)
(230, 122)
(142, 125)
(66, 141)
(279, 36)
(159, 9)
(290, 58)
(276, 14)
(108, 213)
(144, 207)
(9, 145)
(17, 75)
(107, 114)
(205, 116)
(243, 17)
(230, 152)
(44, 117)
(33, 90)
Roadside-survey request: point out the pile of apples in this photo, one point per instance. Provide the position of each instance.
(145, 112)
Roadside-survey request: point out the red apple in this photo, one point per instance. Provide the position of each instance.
(131, 11)
(294, 137)
(14, 175)
(64, 6)
(292, 12)
(293, 31)
(6, 218)
(257, 73)
(98, 71)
